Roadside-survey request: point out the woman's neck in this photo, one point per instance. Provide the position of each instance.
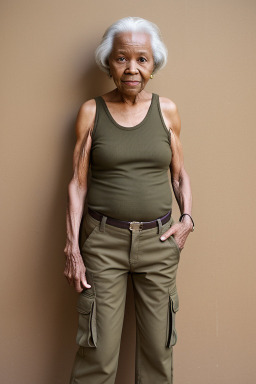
(130, 99)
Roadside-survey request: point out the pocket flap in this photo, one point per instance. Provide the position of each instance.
(175, 301)
(84, 304)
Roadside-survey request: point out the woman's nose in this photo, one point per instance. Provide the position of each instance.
(131, 67)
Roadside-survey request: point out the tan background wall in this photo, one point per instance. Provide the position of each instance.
(47, 72)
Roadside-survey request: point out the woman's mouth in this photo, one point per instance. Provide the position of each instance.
(131, 82)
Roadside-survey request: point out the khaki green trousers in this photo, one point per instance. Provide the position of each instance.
(110, 254)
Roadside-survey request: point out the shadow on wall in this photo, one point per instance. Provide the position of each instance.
(61, 299)
(96, 82)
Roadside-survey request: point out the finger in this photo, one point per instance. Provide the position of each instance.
(84, 283)
(78, 287)
(68, 278)
(171, 231)
(167, 234)
(178, 242)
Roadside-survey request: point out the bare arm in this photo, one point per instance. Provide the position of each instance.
(179, 177)
(77, 189)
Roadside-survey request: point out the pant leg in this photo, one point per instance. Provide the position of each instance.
(156, 301)
(105, 254)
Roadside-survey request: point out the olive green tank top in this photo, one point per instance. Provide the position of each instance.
(129, 166)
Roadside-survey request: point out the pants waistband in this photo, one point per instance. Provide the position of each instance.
(132, 225)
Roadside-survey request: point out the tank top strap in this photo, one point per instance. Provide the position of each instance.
(99, 110)
(158, 111)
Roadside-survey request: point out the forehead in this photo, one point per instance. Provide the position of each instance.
(139, 41)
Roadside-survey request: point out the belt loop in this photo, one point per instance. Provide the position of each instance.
(160, 226)
(102, 223)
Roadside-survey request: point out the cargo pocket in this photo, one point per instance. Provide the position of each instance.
(173, 306)
(87, 329)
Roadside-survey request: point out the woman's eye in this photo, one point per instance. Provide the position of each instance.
(142, 59)
(121, 59)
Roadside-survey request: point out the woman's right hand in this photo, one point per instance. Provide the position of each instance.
(75, 268)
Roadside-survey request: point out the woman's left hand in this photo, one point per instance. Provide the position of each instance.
(180, 232)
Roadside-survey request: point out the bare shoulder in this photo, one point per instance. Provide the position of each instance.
(85, 118)
(88, 107)
(168, 106)
(170, 114)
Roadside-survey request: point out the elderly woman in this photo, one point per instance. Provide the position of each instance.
(130, 139)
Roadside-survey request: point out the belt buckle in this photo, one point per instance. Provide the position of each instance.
(136, 225)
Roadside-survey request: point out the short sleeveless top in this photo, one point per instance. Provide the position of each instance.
(129, 166)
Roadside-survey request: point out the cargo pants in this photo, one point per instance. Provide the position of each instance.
(110, 254)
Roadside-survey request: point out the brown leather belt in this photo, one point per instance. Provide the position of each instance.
(132, 225)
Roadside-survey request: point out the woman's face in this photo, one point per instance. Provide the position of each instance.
(131, 62)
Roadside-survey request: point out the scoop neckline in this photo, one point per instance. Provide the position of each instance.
(122, 126)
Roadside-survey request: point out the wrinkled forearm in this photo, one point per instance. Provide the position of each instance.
(182, 192)
(74, 212)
